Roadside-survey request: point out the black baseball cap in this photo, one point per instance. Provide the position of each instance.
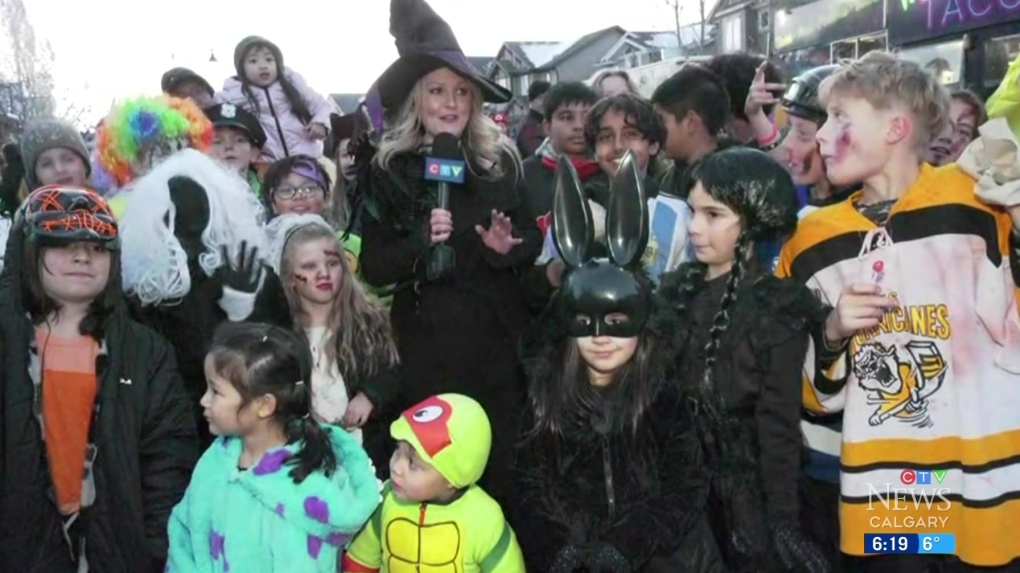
(230, 115)
(173, 79)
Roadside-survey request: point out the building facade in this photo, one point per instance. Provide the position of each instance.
(966, 43)
(813, 34)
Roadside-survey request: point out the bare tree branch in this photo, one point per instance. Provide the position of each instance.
(675, 5)
(26, 66)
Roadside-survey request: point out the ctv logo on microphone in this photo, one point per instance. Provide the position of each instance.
(448, 170)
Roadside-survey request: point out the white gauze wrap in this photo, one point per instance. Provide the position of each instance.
(155, 266)
(279, 230)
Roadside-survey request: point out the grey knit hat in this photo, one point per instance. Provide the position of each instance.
(44, 134)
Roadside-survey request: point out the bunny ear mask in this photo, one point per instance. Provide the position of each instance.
(627, 216)
(573, 228)
(280, 230)
(603, 297)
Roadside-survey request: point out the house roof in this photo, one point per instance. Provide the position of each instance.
(581, 43)
(536, 54)
(481, 63)
(347, 102)
(650, 41)
(722, 7)
(541, 56)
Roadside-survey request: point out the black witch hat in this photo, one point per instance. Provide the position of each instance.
(426, 43)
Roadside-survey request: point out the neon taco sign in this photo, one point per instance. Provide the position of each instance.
(946, 16)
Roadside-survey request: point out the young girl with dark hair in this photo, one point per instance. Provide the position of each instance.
(610, 472)
(96, 435)
(277, 491)
(294, 117)
(741, 350)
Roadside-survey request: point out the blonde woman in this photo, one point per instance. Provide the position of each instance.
(613, 83)
(457, 333)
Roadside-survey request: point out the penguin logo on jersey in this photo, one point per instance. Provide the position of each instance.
(900, 387)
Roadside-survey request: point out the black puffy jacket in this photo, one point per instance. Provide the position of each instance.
(146, 439)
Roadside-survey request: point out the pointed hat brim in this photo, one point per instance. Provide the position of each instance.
(396, 83)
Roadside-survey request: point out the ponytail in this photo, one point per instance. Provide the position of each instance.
(316, 451)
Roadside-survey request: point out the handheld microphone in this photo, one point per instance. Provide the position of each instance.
(445, 165)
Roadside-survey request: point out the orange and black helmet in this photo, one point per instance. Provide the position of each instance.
(63, 214)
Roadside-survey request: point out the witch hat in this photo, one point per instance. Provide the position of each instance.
(426, 43)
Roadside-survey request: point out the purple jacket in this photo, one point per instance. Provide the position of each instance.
(285, 134)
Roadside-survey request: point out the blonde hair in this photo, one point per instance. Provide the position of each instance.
(884, 80)
(482, 141)
(359, 337)
(622, 74)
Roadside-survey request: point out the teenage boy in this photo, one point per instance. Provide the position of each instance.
(694, 106)
(921, 351)
(566, 107)
(623, 123)
(530, 134)
(238, 141)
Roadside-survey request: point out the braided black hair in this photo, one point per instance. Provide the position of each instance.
(762, 194)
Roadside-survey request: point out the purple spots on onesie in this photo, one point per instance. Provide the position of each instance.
(217, 548)
(279, 509)
(271, 462)
(317, 509)
(314, 546)
(337, 539)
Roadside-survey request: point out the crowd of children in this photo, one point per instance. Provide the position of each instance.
(712, 331)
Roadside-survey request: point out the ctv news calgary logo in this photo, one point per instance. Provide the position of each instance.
(918, 502)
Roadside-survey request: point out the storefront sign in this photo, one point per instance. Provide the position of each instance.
(916, 20)
(827, 21)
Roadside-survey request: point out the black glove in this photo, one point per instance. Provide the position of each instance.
(797, 551)
(244, 274)
(604, 558)
(568, 560)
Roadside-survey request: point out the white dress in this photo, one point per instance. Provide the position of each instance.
(329, 392)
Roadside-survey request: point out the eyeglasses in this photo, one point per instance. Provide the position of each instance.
(288, 193)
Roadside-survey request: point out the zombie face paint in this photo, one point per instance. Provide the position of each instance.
(854, 141)
(317, 271)
(801, 150)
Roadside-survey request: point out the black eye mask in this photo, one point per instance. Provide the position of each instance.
(598, 290)
(593, 290)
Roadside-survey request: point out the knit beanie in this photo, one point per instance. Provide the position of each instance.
(246, 44)
(43, 134)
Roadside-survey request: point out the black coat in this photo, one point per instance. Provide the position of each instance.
(146, 439)
(657, 481)
(458, 335)
(754, 449)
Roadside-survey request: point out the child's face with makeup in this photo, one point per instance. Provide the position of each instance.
(856, 141)
(617, 135)
(317, 270)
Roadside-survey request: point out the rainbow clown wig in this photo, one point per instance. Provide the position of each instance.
(140, 132)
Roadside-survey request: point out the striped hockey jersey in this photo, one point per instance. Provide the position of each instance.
(930, 397)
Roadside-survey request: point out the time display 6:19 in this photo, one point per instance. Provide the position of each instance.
(909, 543)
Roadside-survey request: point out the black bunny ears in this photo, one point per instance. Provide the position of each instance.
(626, 216)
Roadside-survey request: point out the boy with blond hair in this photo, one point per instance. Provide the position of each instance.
(921, 350)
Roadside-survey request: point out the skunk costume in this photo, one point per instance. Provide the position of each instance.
(610, 478)
(741, 350)
(191, 232)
